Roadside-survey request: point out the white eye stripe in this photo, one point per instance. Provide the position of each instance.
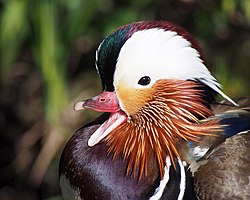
(161, 54)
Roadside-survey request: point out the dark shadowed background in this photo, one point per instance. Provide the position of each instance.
(47, 52)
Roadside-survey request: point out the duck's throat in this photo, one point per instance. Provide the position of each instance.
(152, 134)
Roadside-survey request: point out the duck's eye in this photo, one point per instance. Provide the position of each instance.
(145, 80)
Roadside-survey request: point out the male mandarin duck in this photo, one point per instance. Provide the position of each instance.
(162, 134)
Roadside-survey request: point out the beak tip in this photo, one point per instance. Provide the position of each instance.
(78, 105)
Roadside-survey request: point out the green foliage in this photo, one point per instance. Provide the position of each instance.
(234, 85)
(50, 27)
(13, 31)
(49, 56)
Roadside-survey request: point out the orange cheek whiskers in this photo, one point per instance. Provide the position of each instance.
(171, 115)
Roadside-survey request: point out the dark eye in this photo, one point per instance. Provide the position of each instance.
(145, 80)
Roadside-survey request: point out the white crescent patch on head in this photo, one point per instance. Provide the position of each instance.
(161, 54)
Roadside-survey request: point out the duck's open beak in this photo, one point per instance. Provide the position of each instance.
(104, 102)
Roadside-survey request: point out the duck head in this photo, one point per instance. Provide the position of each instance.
(156, 88)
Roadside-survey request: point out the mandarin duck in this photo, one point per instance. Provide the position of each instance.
(161, 135)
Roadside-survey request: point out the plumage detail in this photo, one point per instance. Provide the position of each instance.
(233, 120)
(109, 49)
(148, 52)
(227, 168)
(151, 134)
(162, 136)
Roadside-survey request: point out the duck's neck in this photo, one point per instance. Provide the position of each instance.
(151, 135)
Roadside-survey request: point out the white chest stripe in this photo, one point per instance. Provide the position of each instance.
(183, 179)
(243, 132)
(159, 191)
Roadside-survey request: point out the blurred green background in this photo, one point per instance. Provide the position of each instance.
(47, 52)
